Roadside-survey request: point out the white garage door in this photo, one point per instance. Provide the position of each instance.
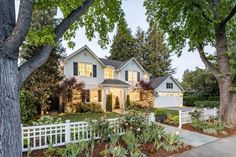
(168, 101)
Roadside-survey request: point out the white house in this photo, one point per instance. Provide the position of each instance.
(105, 76)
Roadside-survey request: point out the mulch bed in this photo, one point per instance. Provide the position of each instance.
(230, 131)
(147, 149)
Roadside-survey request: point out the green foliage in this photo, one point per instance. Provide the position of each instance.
(160, 112)
(118, 151)
(131, 141)
(117, 103)
(127, 103)
(81, 107)
(27, 105)
(134, 121)
(45, 120)
(200, 81)
(172, 142)
(207, 104)
(172, 119)
(89, 148)
(196, 115)
(109, 103)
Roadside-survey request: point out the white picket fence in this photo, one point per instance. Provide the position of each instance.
(40, 137)
(185, 117)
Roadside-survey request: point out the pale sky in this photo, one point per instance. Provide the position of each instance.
(135, 16)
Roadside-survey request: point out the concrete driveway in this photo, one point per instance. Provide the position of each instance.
(225, 147)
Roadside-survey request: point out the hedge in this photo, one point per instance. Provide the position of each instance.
(207, 104)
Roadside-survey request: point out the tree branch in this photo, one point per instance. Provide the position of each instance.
(208, 64)
(202, 12)
(15, 40)
(229, 16)
(35, 62)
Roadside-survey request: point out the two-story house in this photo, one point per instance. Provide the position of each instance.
(105, 76)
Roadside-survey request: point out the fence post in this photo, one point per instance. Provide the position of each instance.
(67, 131)
(152, 117)
(22, 138)
(180, 119)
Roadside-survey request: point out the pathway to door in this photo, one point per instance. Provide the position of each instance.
(191, 138)
(225, 147)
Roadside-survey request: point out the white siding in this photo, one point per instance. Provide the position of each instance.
(86, 57)
(131, 66)
(168, 101)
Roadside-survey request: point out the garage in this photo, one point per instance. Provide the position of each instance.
(169, 92)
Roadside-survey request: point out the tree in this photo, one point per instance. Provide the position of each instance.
(158, 62)
(123, 43)
(44, 88)
(94, 15)
(201, 81)
(117, 103)
(202, 23)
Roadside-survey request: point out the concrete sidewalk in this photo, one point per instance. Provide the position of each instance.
(191, 138)
(225, 147)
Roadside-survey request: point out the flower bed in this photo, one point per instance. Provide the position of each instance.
(141, 139)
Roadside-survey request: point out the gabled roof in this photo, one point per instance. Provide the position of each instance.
(80, 50)
(110, 62)
(157, 81)
(114, 82)
(118, 65)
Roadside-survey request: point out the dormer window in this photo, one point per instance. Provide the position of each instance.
(169, 85)
(108, 73)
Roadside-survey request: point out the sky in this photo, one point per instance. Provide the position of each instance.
(135, 17)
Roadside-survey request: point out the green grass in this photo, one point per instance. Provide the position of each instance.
(169, 111)
(83, 116)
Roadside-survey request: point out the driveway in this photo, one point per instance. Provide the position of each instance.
(225, 147)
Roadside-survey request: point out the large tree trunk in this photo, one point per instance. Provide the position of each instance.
(10, 125)
(227, 101)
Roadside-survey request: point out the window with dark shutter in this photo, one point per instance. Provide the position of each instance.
(126, 75)
(138, 76)
(87, 96)
(99, 96)
(94, 70)
(75, 68)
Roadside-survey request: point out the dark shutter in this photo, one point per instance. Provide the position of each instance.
(87, 95)
(99, 96)
(83, 95)
(94, 70)
(75, 68)
(126, 75)
(141, 96)
(138, 76)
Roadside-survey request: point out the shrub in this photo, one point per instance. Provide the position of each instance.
(109, 103)
(117, 103)
(27, 105)
(196, 115)
(127, 103)
(89, 107)
(44, 120)
(160, 112)
(172, 142)
(207, 104)
(172, 119)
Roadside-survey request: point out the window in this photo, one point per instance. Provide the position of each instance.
(132, 76)
(85, 69)
(134, 96)
(108, 73)
(169, 85)
(170, 94)
(93, 95)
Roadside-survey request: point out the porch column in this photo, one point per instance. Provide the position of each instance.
(125, 90)
(105, 92)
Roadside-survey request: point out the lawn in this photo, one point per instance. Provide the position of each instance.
(153, 110)
(83, 116)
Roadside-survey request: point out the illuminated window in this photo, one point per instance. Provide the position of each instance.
(169, 85)
(93, 95)
(85, 69)
(132, 76)
(81, 69)
(134, 96)
(108, 73)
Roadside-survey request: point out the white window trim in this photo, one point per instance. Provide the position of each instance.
(132, 71)
(85, 65)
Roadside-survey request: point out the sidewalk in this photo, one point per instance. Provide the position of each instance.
(225, 147)
(191, 138)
